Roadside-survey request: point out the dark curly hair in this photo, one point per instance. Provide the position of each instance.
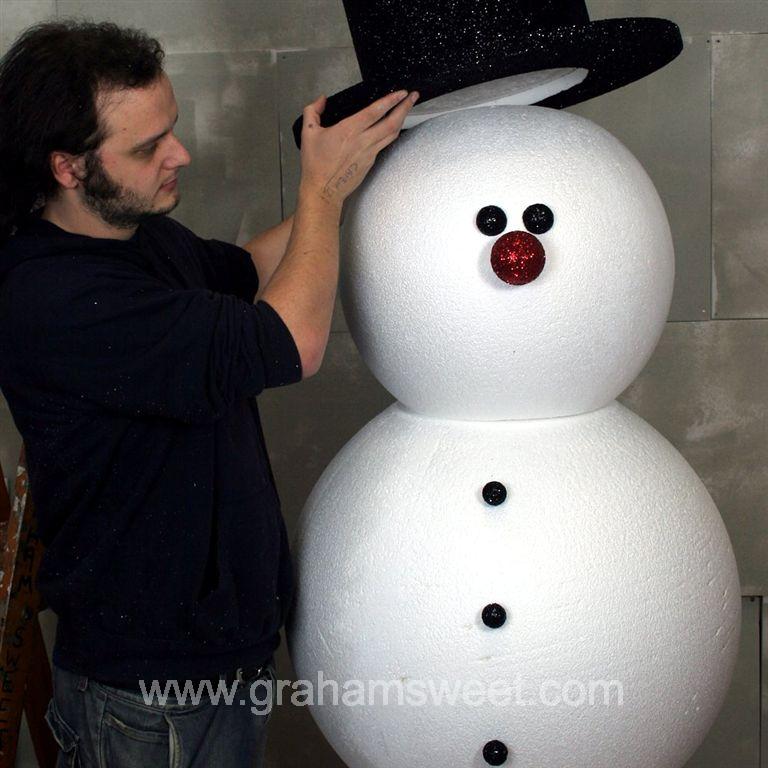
(50, 81)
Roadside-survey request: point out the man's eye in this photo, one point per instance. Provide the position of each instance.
(148, 150)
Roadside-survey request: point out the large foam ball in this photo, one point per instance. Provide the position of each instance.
(605, 561)
(433, 309)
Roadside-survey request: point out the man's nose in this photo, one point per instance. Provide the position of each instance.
(180, 156)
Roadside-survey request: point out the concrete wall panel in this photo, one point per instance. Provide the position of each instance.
(228, 122)
(740, 167)
(225, 25)
(695, 17)
(704, 390)
(17, 15)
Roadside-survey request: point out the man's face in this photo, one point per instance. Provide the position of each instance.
(127, 178)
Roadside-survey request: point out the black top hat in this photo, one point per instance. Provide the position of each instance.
(439, 47)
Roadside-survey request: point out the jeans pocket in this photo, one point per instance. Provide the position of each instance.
(134, 736)
(65, 737)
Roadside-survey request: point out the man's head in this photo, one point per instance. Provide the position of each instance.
(87, 116)
(132, 173)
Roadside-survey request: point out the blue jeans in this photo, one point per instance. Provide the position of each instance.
(100, 726)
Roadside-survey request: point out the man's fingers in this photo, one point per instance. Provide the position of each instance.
(365, 118)
(385, 142)
(348, 145)
(392, 123)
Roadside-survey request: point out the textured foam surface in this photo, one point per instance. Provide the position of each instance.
(436, 325)
(608, 555)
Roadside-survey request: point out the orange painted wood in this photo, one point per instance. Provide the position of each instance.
(19, 624)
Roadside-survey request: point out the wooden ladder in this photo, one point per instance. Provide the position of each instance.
(25, 674)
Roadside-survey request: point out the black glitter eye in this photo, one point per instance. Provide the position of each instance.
(538, 218)
(491, 220)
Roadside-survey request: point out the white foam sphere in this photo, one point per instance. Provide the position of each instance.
(608, 556)
(432, 320)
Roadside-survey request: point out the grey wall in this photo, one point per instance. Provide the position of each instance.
(243, 69)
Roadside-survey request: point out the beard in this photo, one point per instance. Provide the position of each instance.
(116, 205)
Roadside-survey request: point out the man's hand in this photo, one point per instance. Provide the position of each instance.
(335, 160)
(333, 163)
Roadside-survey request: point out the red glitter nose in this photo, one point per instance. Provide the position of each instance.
(517, 258)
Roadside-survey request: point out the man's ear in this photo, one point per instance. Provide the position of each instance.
(67, 169)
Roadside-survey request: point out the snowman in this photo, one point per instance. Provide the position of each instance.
(507, 566)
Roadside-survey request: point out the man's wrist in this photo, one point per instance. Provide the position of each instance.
(321, 198)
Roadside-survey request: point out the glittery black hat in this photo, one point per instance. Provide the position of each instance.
(462, 53)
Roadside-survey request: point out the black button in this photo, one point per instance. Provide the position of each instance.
(495, 753)
(494, 493)
(494, 616)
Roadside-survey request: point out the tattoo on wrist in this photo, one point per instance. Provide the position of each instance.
(332, 187)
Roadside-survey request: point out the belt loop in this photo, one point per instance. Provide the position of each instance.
(82, 683)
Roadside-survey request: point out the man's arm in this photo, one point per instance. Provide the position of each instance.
(267, 250)
(334, 161)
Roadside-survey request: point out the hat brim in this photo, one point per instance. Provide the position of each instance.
(616, 52)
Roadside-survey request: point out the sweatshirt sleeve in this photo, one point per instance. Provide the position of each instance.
(229, 269)
(112, 335)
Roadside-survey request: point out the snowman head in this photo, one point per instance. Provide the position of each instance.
(506, 263)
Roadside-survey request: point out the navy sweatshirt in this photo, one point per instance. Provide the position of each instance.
(131, 369)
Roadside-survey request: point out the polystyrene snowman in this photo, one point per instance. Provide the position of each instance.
(507, 526)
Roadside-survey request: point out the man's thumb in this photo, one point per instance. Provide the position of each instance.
(312, 112)
(316, 108)
(319, 103)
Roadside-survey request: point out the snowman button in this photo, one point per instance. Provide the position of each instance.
(494, 493)
(494, 615)
(495, 753)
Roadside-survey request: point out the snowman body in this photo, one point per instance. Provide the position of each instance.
(608, 556)
(533, 574)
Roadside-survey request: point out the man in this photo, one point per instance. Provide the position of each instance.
(132, 351)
